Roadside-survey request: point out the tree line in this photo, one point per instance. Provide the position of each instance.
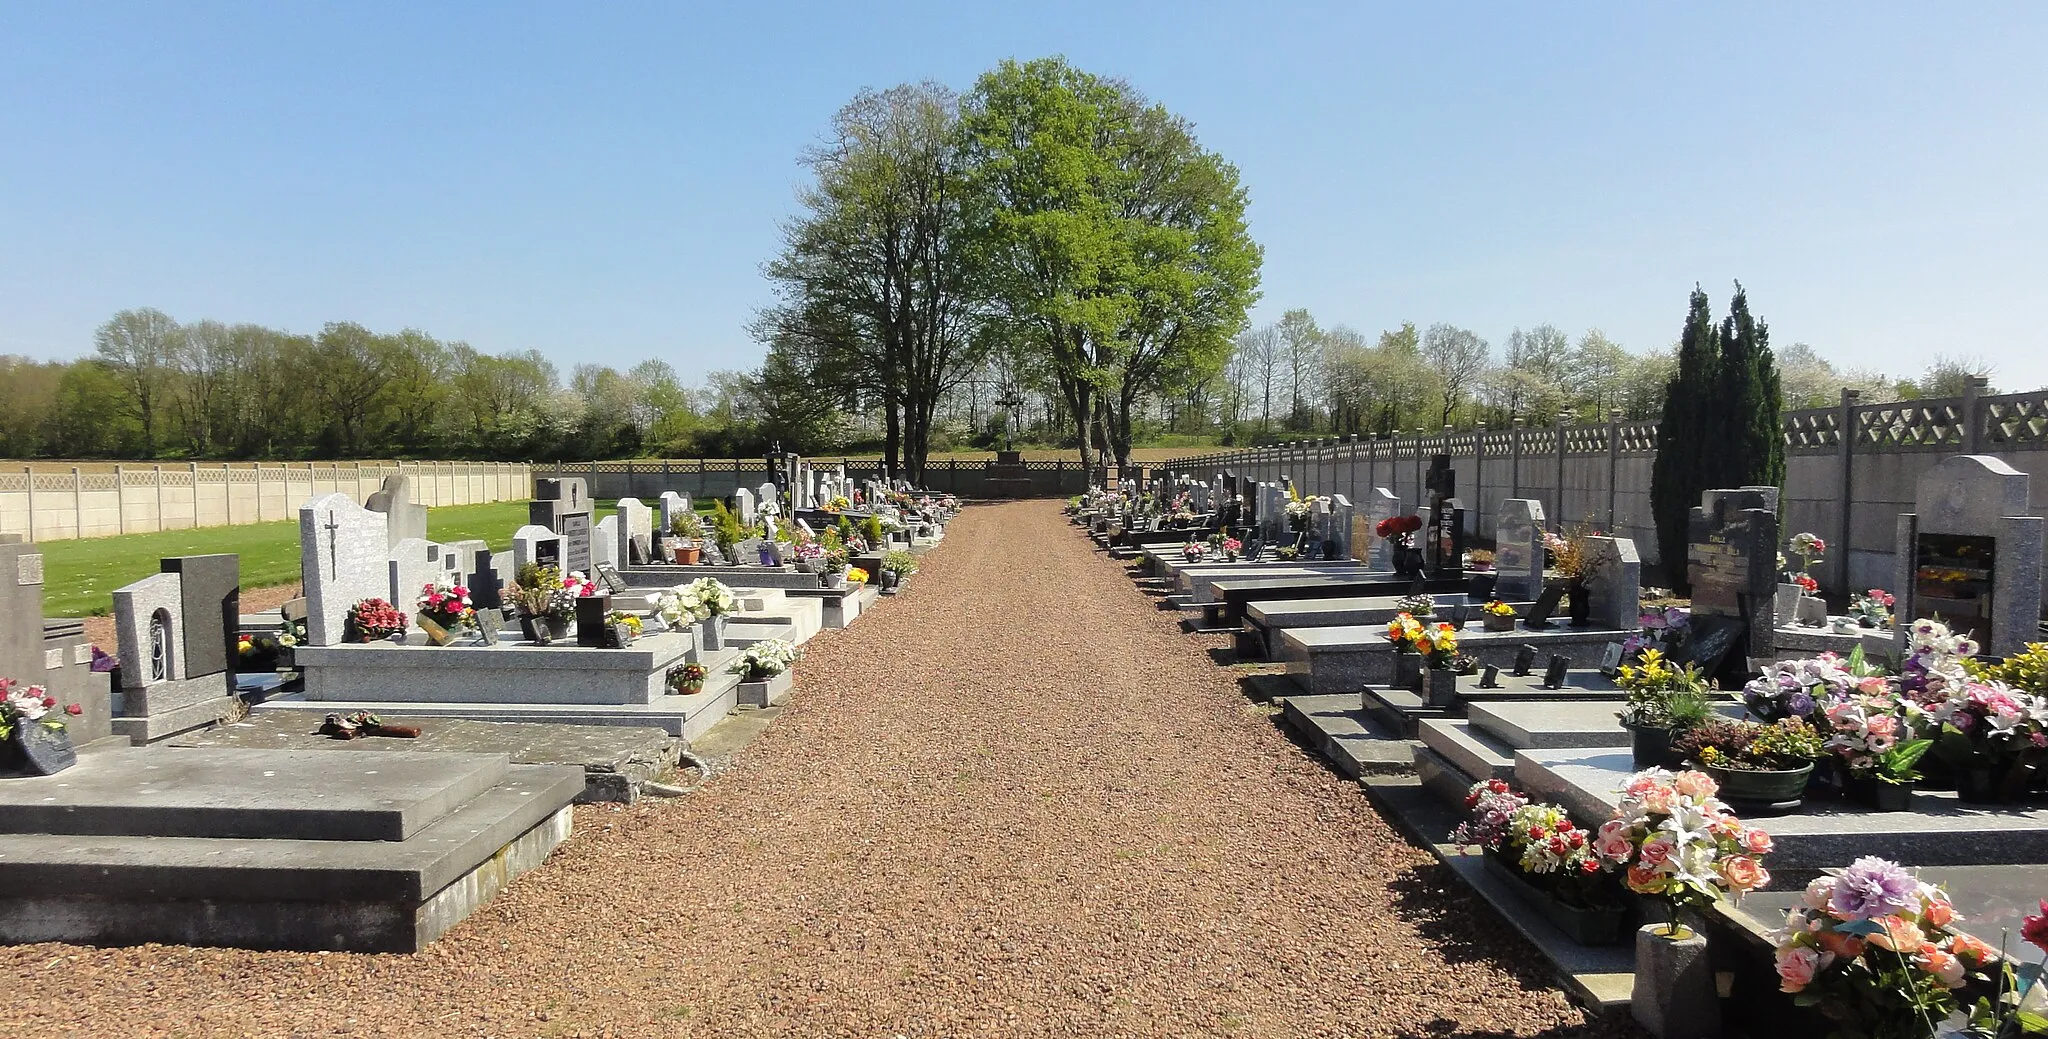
(155, 388)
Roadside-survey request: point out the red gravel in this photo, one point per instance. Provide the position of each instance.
(1015, 801)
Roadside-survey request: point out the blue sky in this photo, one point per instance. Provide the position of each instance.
(602, 182)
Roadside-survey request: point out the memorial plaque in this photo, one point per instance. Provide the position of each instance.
(608, 576)
(1952, 579)
(576, 541)
(1489, 678)
(1525, 659)
(1553, 676)
(1546, 604)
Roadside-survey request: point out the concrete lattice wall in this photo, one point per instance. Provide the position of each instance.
(49, 503)
(1848, 489)
(719, 477)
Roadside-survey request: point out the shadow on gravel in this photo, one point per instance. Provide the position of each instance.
(1448, 913)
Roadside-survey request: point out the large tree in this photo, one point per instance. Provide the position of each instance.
(1722, 424)
(877, 293)
(1114, 244)
(140, 349)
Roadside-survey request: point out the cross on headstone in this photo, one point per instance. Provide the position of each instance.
(333, 554)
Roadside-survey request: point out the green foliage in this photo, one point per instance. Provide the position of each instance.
(871, 529)
(725, 528)
(687, 525)
(899, 562)
(1722, 421)
(2026, 670)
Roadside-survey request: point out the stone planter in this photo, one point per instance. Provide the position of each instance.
(1585, 926)
(1439, 688)
(1493, 623)
(711, 633)
(1778, 790)
(768, 692)
(889, 580)
(688, 556)
(1674, 993)
(1786, 605)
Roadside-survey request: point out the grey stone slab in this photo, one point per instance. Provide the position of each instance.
(1614, 581)
(504, 673)
(1349, 610)
(151, 728)
(21, 609)
(1973, 515)
(1475, 753)
(210, 589)
(1344, 735)
(246, 794)
(343, 550)
(615, 759)
(538, 545)
(1523, 724)
(413, 564)
(369, 896)
(604, 543)
(1348, 658)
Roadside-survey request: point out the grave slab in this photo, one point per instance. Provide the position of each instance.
(1352, 742)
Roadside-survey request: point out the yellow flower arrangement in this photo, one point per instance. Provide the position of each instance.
(1498, 608)
(1430, 640)
(855, 575)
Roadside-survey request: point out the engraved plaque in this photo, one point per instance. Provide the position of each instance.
(29, 569)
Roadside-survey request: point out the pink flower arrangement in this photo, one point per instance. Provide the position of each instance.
(1871, 947)
(1676, 841)
(445, 604)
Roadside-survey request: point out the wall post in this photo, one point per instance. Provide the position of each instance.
(1559, 521)
(1845, 464)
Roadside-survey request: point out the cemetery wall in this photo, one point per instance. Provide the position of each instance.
(719, 477)
(55, 503)
(1847, 489)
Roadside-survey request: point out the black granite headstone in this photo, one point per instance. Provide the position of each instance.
(486, 588)
(211, 596)
(1489, 678)
(592, 629)
(1545, 605)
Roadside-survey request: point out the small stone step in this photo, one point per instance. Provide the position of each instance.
(1339, 731)
(1400, 709)
(1473, 751)
(1523, 724)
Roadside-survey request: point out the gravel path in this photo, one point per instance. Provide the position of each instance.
(1014, 801)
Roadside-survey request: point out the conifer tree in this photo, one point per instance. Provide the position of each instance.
(1748, 403)
(1677, 476)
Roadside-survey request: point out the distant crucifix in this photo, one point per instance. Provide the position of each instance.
(333, 557)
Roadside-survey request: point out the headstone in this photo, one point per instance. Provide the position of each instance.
(604, 542)
(635, 536)
(1970, 554)
(1446, 532)
(460, 558)
(1380, 504)
(1518, 550)
(1342, 514)
(403, 519)
(211, 603)
(743, 506)
(343, 549)
(164, 689)
(770, 500)
(563, 506)
(670, 506)
(486, 584)
(411, 566)
(537, 545)
(1614, 580)
(1732, 565)
(591, 626)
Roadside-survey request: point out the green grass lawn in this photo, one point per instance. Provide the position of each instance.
(80, 576)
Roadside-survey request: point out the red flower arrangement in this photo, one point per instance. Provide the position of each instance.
(1398, 528)
(372, 620)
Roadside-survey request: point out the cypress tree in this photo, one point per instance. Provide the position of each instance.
(1750, 401)
(1685, 445)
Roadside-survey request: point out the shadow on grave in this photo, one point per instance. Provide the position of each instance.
(1445, 911)
(1616, 1029)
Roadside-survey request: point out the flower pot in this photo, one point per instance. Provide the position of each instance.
(1785, 607)
(536, 630)
(688, 556)
(1779, 790)
(890, 579)
(1439, 688)
(1649, 745)
(1584, 925)
(1878, 795)
(766, 692)
(561, 626)
(711, 633)
(1494, 623)
(1580, 599)
(1995, 785)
